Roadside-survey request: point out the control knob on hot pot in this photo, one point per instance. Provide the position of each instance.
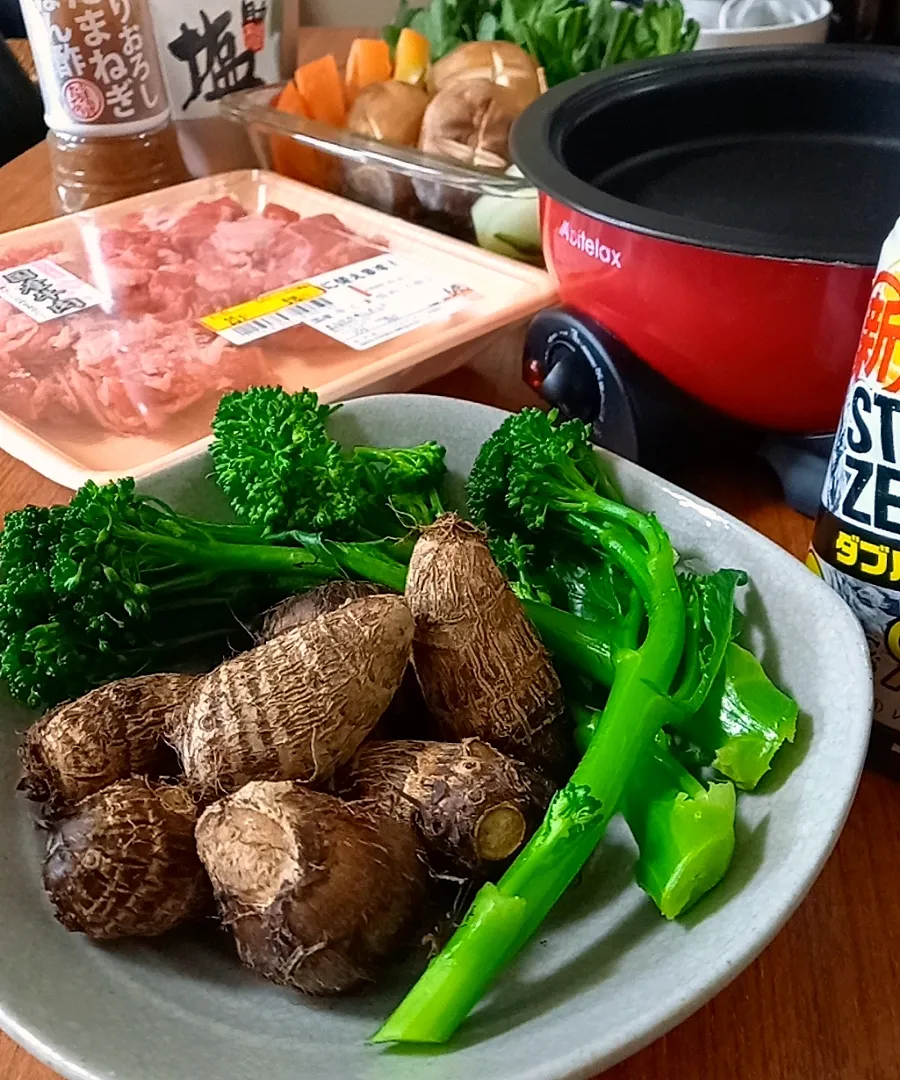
(586, 372)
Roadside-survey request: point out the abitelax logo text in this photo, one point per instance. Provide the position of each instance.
(590, 245)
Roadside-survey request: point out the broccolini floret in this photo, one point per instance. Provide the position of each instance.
(282, 471)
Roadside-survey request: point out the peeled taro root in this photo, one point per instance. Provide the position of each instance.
(472, 805)
(407, 715)
(295, 707)
(317, 892)
(468, 122)
(483, 671)
(125, 864)
(111, 733)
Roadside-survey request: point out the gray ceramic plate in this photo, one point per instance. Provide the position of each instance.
(607, 974)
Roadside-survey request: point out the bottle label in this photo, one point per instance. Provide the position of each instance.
(98, 65)
(856, 543)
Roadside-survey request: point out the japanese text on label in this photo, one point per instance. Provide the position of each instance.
(45, 291)
(362, 305)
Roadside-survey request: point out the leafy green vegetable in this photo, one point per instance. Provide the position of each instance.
(566, 38)
(743, 722)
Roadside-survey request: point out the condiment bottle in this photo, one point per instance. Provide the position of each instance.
(856, 542)
(111, 133)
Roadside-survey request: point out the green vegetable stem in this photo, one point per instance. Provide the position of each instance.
(742, 723)
(732, 716)
(91, 592)
(684, 831)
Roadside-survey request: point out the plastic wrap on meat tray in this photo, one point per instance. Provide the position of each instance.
(121, 327)
(140, 356)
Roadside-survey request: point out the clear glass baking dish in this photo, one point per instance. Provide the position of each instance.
(433, 191)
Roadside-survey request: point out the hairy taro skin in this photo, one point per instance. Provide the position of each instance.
(295, 707)
(109, 734)
(301, 609)
(483, 671)
(318, 893)
(472, 805)
(407, 715)
(125, 864)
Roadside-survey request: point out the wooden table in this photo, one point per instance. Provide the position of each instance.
(823, 1001)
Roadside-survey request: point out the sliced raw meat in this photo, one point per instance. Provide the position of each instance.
(141, 355)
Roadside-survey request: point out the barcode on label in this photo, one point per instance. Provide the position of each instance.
(274, 321)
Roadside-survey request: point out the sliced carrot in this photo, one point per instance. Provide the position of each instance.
(412, 56)
(320, 86)
(291, 100)
(369, 62)
(291, 158)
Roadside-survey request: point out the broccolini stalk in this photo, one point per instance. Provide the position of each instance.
(683, 830)
(561, 501)
(503, 917)
(736, 723)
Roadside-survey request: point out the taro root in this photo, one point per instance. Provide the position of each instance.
(407, 715)
(470, 123)
(317, 893)
(301, 609)
(295, 707)
(111, 733)
(482, 669)
(390, 112)
(472, 805)
(125, 864)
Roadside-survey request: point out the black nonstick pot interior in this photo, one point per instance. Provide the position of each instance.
(790, 153)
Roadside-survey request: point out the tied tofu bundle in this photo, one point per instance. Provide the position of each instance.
(555, 641)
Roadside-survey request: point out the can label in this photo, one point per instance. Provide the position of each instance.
(856, 543)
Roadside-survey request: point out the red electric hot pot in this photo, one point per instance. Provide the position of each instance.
(719, 216)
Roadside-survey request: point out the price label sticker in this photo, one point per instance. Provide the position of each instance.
(362, 305)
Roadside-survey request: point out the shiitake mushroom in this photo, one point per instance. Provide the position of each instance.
(468, 122)
(390, 112)
(499, 62)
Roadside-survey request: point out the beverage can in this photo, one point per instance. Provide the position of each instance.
(856, 542)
